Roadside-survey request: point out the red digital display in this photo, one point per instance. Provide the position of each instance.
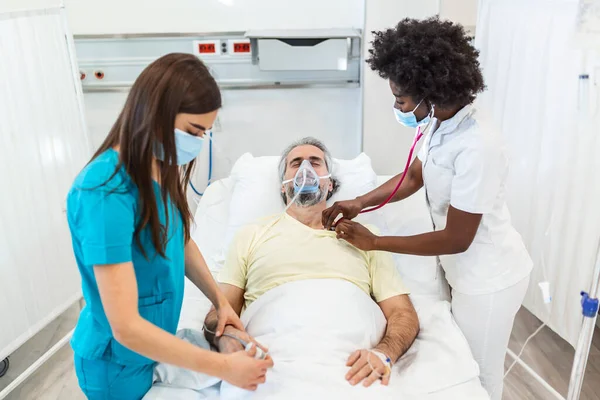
(207, 48)
(241, 47)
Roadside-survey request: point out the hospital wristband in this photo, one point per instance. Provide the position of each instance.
(385, 360)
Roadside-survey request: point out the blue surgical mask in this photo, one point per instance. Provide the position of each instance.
(306, 179)
(188, 147)
(409, 119)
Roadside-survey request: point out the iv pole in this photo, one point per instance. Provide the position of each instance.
(589, 302)
(589, 305)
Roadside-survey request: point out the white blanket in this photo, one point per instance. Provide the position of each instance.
(312, 326)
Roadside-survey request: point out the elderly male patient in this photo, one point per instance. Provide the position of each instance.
(294, 246)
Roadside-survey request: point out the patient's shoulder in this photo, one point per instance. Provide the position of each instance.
(263, 222)
(269, 220)
(252, 229)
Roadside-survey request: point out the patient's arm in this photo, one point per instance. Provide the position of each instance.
(401, 331)
(226, 344)
(392, 297)
(235, 296)
(402, 326)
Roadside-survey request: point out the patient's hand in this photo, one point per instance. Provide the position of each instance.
(228, 345)
(361, 369)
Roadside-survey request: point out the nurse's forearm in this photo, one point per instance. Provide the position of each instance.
(427, 244)
(197, 271)
(151, 341)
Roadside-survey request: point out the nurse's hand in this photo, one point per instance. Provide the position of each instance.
(348, 208)
(227, 316)
(244, 371)
(355, 234)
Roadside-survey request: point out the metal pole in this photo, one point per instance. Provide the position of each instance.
(36, 365)
(535, 375)
(585, 336)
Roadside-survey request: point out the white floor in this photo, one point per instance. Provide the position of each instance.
(551, 356)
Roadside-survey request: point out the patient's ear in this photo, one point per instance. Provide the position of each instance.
(329, 194)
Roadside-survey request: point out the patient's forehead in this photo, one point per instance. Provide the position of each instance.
(305, 152)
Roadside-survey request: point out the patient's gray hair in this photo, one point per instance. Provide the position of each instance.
(308, 141)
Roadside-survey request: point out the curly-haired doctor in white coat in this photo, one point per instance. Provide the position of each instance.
(434, 76)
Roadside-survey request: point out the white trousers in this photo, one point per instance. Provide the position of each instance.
(487, 321)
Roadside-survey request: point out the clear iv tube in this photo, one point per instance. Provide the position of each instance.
(418, 136)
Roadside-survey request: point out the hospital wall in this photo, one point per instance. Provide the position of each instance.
(194, 16)
(334, 115)
(461, 11)
(261, 121)
(16, 5)
(249, 117)
(38, 274)
(373, 127)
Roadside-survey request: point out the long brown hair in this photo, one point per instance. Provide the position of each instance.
(173, 84)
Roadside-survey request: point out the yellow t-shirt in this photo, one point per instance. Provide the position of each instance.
(281, 249)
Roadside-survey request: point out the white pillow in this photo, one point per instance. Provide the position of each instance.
(257, 188)
(211, 220)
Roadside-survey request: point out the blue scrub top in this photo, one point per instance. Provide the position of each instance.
(102, 213)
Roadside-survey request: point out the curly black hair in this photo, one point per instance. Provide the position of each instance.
(429, 59)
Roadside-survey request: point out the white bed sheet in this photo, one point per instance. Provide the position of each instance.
(211, 225)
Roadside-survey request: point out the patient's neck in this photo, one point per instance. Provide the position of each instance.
(309, 216)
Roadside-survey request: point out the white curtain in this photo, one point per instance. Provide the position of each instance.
(531, 67)
(42, 147)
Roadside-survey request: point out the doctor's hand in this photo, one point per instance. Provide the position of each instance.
(227, 316)
(244, 371)
(361, 371)
(349, 209)
(355, 234)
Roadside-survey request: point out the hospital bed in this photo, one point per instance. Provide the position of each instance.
(438, 366)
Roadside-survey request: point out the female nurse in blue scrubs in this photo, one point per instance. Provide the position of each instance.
(130, 227)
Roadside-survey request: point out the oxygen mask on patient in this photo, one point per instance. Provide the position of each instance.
(306, 179)
(306, 190)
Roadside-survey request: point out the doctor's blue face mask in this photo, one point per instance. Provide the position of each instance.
(188, 147)
(409, 119)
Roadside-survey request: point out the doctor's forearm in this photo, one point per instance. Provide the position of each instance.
(427, 244)
(152, 342)
(197, 271)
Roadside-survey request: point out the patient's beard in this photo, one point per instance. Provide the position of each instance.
(306, 199)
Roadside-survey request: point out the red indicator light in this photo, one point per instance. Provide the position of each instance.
(207, 48)
(241, 47)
